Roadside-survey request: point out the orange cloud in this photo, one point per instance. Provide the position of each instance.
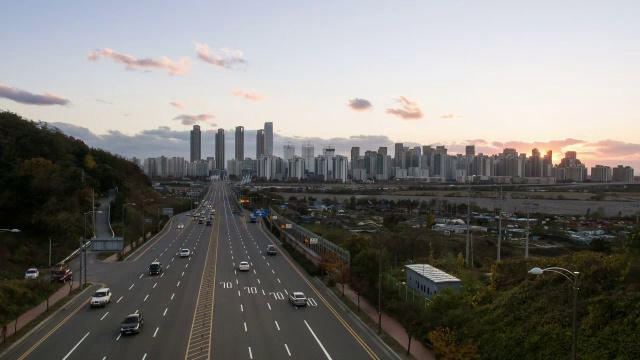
(451, 116)
(409, 111)
(178, 105)
(249, 95)
(132, 63)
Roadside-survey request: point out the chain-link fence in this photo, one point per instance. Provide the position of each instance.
(406, 293)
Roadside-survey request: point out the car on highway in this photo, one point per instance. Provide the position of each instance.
(32, 273)
(298, 299)
(180, 226)
(200, 221)
(102, 297)
(132, 324)
(271, 250)
(187, 214)
(155, 268)
(244, 266)
(61, 275)
(185, 253)
(208, 223)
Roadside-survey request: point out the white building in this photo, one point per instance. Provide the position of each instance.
(429, 280)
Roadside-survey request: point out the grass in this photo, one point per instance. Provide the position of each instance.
(33, 323)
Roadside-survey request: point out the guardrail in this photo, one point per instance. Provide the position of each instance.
(74, 254)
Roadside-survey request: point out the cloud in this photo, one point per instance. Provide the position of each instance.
(249, 95)
(409, 111)
(25, 97)
(193, 119)
(451, 116)
(132, 63)
(360, 105)
(178, 105)
(228, 59)
(105, 102)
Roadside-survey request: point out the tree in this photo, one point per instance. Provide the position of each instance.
(632, 242)
(446, 345)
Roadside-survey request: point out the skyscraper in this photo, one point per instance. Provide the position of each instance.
(399, 155)
(268, 134)
(239, 143)
(220, 149)
(196, 144)
(355, 155)
(289, 152)
(260, 144)
(308, 156)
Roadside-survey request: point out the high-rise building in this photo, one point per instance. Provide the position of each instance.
(220, 162)
(622, 173)
(308, 154)
(289, 152)
(196, 143)
(239, 143)
(355, 155)
(382, 150)
(398, 155)
(261, 146)
(470, 150)
(268, 134)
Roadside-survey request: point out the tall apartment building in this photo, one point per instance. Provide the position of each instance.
(622, 173)
(220, 161)
(601, 173)
(398, 156)
(196, 143)
(382, 150)
(355, 156)
(239, 143)
(268, 134)
(261, 145)
(289, 152)
(308, 154)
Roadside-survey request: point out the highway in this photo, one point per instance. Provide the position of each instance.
(202, 307)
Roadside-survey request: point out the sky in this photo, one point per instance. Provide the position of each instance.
(133, 77)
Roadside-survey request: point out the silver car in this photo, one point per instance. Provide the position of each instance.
(298, 299)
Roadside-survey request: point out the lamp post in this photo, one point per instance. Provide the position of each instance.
(158, 215)
(83, 252)
(10, 230)
(124, 250)
(144, 236)
(572, 276)
(50, 239)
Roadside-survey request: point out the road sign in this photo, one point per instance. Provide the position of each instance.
(282, 226)
(260, 212)
(273, 217)
(167, 211)
(288, 226)
(148, 220)
(107, 244)
(313, 241)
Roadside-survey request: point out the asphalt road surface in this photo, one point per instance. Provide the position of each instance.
(202, 307)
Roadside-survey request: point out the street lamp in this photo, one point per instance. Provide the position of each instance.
(144, 236)
(10, 230)
(83, 253)
(158, 215)
(123, 243)
(573, 277)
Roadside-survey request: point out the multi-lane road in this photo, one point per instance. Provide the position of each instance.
(202, 307)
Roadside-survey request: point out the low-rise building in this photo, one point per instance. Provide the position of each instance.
(429, 280)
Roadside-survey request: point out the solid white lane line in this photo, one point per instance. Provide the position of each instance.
(178, 283)
(165, 312)
(144, 356)
(145, 298)
(250, 354)
(119, 299)
(279, 281)
(103, 316)
(278, 326)
(286, 347)
(155, 332)
(131, 286)
(241, 307)
(258, 281)
(81, 340)
(318, 340)
(118, 338)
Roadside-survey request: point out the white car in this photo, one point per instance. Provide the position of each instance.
(102, 297)
(185, 253)
(180, 226)
(298, 299)
(31, 274)
(244, 266)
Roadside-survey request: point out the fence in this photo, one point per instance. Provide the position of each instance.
(317, 245)
(406, 293)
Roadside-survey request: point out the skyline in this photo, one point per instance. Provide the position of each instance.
(133, 80)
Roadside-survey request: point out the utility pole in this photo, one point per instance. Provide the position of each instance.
(499, 224)
(468, 245)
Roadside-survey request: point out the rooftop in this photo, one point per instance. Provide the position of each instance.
(431, 273)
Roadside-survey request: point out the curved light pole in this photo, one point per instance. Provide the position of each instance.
(10, 230)
(124, 250)
(83, 252)
(573, 277)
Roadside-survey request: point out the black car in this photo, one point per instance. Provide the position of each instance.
(271, 250)
(132, 324)
(155, 268)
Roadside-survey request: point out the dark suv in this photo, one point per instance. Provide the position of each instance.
(132, 324)
(271, 250)
(155, 268)
(61, 275)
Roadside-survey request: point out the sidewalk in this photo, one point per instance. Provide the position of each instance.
(24, 319)
(389, 325)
